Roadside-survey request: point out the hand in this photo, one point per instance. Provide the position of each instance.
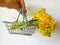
(13, 4)
(21, 4)
(9, 4)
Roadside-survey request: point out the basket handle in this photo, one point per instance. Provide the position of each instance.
(17, 18)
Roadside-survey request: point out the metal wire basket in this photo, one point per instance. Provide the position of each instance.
(29, 30)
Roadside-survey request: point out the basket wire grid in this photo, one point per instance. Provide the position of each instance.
(29, 30)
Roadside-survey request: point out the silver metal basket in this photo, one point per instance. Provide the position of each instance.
(29, 30)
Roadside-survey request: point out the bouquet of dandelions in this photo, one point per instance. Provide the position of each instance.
(45, 23)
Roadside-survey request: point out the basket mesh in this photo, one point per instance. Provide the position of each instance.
(29, 30)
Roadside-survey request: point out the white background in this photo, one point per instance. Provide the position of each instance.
(52, 7)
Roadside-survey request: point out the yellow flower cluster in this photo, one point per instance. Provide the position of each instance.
(45, 22)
